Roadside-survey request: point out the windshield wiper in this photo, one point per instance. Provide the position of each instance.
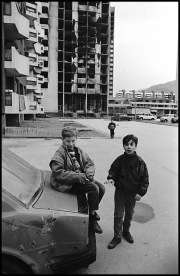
(39, 190)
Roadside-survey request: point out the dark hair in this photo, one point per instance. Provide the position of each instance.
(129, 137)
(69, 132)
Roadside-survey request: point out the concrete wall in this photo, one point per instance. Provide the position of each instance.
(32, 132)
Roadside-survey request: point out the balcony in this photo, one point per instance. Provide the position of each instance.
(83, 7)
(40, 62)
(40, 78)
(16, 65)
(33, 59)
(92, 9)
(41, 33)
(90, 91)
(20, 104)
(32, 35)
(82, 70)
(31, 83)
(16, 26)
(31, 11)
(81, 90)
(82, 80)
(39, 93)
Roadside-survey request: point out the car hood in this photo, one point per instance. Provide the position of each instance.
(55, 200)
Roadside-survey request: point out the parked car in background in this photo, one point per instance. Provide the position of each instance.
(147, 117)
(43, 115)
(175, 119)
(121, 116)
(167, 117)
(43, 231)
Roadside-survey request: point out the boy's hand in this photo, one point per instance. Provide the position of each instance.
(137, 197)
(90, 177)
(109, 182)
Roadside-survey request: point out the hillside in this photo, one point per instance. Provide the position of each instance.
(166, 87)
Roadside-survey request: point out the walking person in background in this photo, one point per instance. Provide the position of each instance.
(112, 127)
(73, 172)
(129, 174)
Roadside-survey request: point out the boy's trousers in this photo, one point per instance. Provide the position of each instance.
(124, 207)
(94, 190)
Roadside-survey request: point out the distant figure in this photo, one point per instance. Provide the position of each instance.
(112, 127)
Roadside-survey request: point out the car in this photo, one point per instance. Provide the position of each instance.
(148, 116)
(167, 117)
(121, 116)
(175, 119)
(43, 231)
(43, 115)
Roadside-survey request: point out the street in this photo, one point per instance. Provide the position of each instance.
(155, 222)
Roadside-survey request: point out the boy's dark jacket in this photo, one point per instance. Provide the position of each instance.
(63, 174)
(130, 174)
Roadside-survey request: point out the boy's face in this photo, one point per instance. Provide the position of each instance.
(130, 147)
(69, 142)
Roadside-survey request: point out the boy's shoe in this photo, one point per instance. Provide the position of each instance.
(97, 217)
(114, 242)
(94, 217)
(95, 226)
(128, 237)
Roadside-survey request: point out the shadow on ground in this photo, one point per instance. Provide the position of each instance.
(143, 213)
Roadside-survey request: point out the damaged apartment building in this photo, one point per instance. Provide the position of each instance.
(80, 43)
(58, 59)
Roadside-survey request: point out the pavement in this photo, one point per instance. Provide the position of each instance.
(155, 221)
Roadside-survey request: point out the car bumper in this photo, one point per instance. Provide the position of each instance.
(70, 263)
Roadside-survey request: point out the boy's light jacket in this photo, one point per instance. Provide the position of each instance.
(63, 174)
(130, 174)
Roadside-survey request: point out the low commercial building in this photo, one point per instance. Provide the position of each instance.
(159, 103)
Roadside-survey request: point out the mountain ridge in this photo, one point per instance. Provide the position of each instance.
(165, 87)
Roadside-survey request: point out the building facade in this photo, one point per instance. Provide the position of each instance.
(111, 61)
(159, 103)
(78, 57)
(22, 45)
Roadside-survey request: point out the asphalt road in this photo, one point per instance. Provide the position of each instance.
(155, 222)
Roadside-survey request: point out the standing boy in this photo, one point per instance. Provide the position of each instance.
(73, 171)
(112, 127)
(130, 177)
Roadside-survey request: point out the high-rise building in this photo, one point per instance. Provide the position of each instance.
(57, 57)
(111, 62)
(79, 53)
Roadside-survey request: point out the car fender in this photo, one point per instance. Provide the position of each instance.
(11, 252)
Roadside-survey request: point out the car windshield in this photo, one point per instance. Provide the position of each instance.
(19, 178)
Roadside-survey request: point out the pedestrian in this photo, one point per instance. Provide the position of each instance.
(73, 172)
(112, 127)
(129, 174)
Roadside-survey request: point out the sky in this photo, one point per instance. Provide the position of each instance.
(145, 44)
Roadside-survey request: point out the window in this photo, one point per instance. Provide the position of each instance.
(8, 99)
(7, 8)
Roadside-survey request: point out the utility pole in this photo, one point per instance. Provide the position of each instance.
(2, 72)
(135, 102)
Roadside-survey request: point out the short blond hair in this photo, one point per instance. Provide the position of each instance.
(69, 131)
